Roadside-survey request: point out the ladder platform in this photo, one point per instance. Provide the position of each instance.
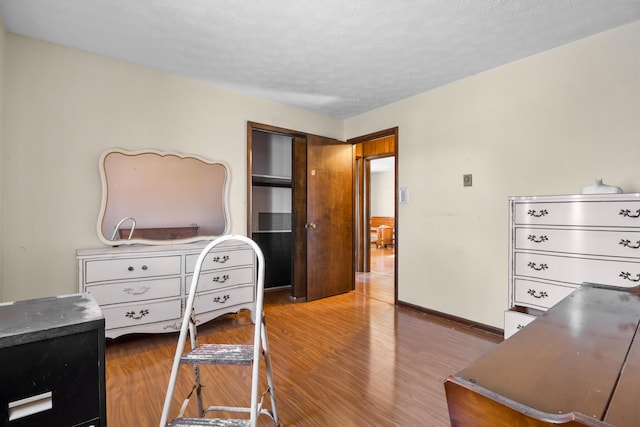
(210, 422)
(220, 354)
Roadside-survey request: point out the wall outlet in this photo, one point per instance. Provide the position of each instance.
(467, 180)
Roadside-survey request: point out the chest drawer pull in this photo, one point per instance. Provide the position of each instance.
(221, 300)
(133, 315)
(137, 291)
(537, 267)
(222, 279)
(627, 276)
(221, 259)
(534, 213)
(627, 213)
(627, 244)
(536, 239)
(536, 294)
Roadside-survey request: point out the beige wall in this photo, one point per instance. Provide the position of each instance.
(63, 108)
(2, 156)
(547, 124)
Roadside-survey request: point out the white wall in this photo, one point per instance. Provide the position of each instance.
(547, 124)
(383, 193)
(64, 107)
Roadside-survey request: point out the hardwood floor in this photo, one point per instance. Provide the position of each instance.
(348, 360)
(378, 283)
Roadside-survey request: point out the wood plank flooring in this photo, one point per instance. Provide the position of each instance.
(348, 360)
(378, 283)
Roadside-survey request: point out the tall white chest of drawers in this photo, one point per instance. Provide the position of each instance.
(557, 243)
(144, 288)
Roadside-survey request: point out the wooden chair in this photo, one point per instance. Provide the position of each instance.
(385, 236)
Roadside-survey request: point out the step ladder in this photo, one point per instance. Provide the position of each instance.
(201, 354)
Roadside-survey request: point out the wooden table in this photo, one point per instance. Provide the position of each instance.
(578, 364)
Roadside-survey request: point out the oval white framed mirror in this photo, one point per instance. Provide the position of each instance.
(161, 197)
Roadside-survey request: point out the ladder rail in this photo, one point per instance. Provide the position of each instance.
(259, 336)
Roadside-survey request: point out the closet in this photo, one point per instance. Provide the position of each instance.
(271, 195)
(300, 209)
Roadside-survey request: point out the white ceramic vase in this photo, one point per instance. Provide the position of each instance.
(600, 188)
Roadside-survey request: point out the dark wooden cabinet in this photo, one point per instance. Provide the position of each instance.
(53, 363)
(577, 364)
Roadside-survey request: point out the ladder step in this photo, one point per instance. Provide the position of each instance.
(219, 354)
(210, 422)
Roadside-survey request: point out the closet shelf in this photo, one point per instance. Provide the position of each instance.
(271, 181)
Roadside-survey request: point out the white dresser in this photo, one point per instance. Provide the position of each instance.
(144, 288)
(557, 243)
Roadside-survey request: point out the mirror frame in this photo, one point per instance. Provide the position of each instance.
(224, 206)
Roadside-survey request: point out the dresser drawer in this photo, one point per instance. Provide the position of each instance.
(514, 321)
(577, 270)
(586, 242)
(221, 278)
(141, 290)
(222, 259)
(61, 374)
(223, 299)
(581, 213)
(141, 313)
(538, 294)
(131, 268)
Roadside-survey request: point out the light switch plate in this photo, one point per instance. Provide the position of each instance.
(467, 180)
(404, 195)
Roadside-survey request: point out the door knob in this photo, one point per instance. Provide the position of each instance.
(310, 226)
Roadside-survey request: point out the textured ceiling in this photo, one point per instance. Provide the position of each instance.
(336, 57)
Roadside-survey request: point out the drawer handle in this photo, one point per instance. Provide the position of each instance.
(221, 260)
(627, 276)
(535, 239)
(133, 315)
(537, 267)
(540, 295)
(222, 279)
(519, 326)
(536, 214)
(221, 300)
(144, 267)
(30, 406)
(628, 214)
(627, 244)
(138, 291)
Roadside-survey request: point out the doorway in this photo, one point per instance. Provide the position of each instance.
(378, 280)
(377, 219)
(300, 209)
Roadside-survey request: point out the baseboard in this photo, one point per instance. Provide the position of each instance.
(461, 320)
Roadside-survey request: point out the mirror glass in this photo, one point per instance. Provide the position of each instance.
(156, 197)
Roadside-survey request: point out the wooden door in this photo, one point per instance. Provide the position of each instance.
(330, 216)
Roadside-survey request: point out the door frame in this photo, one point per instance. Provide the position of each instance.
(359, 182)
(363, 155)
(341, 273)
